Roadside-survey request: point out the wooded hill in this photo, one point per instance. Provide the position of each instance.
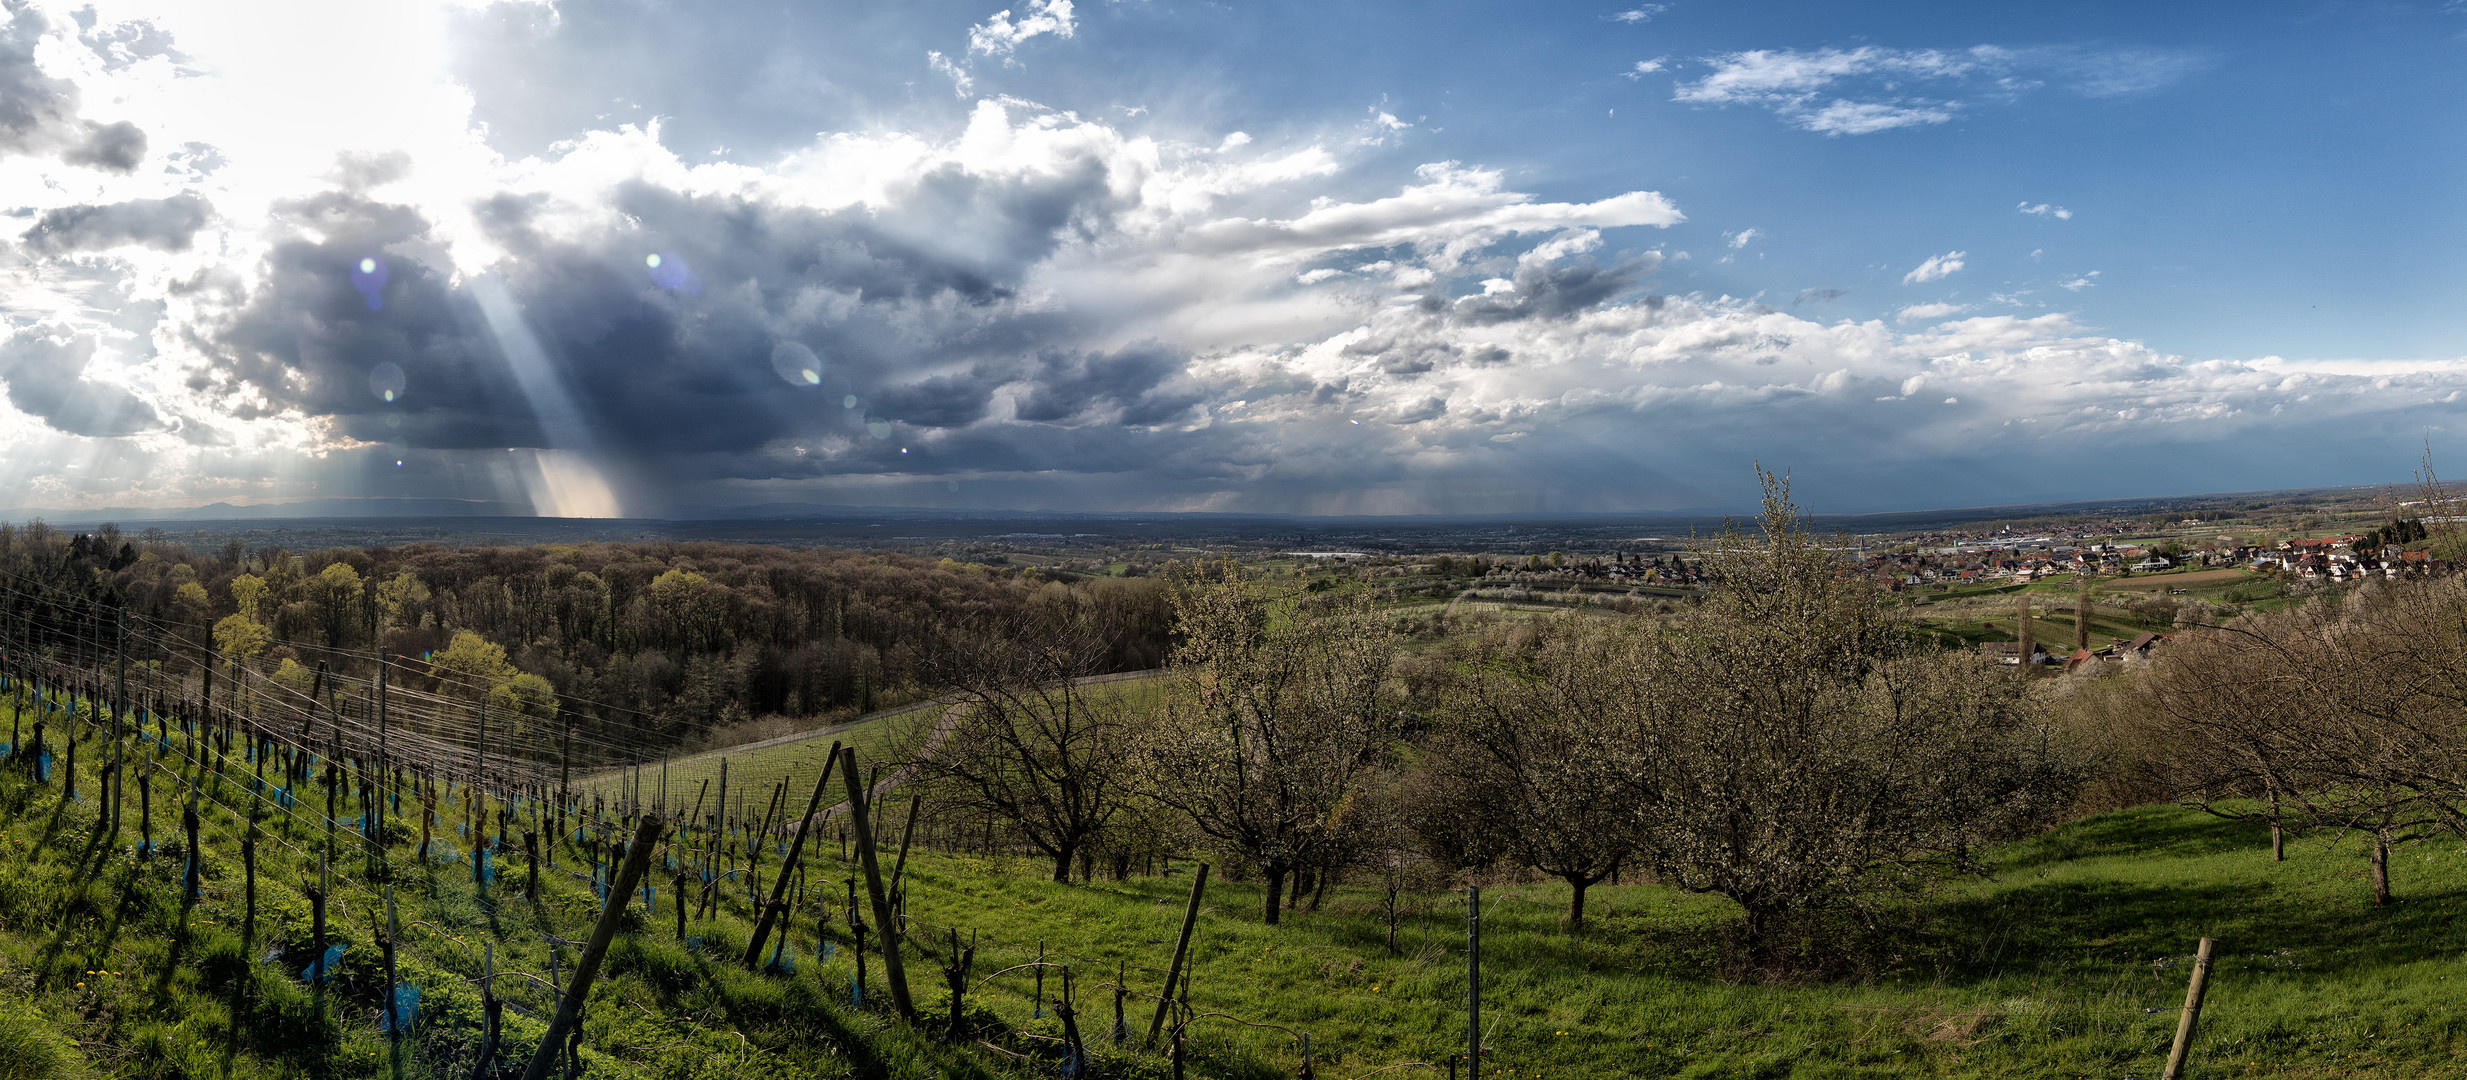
(683, 641)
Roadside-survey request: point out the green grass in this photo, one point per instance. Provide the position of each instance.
(107, 968)
(2067, 962)
(753, 772)
(2053, 968)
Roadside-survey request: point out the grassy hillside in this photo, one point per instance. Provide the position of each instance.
(2068, 962)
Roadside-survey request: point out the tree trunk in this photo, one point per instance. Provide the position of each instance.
(2278, 843)
(1276, 892)
(1062, 865)
(2381, 868)
(1577, 884)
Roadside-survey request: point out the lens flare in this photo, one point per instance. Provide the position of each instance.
(796, 365)
(670, 272)
(368, 275)
(880, 429)
(848, 402)
(386, 381)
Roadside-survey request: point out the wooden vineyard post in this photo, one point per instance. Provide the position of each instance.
(188, 820)
(1182, 950)
(2193, 992)
(887, 931)
(679, 890)
(248, 870)
(899, 866)
(1473, 980)
(777, 908)
(637, 859)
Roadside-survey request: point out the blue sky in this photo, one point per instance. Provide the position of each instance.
(1149, 255)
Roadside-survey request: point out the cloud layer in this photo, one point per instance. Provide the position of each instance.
(1030, 308)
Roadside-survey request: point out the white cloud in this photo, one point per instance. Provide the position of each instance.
(999, 36)
(1869, 117)
(2046, 210)
(1741, 238)
(1923, 312)
(2083, 282)
(1642, 13)
(961, 83)
(1647, 67)
(1936, 267)
(1834, 91)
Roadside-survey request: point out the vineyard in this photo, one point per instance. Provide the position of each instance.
(363, 878)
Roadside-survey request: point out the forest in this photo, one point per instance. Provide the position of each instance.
(682, 644)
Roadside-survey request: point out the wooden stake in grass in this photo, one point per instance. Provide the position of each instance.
(773, 911)
(637, 859)
(188, 820)
(2192, 1011)
(1182, 949)
(1473, 979)
(887, 929)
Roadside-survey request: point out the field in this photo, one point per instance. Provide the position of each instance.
(796, 760)
(2190, 579)
(2069, 962)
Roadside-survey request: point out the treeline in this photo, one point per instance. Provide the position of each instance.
(672, 642)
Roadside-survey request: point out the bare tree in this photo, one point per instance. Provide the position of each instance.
(1795, 746)
(1533, 749)
(1028, 740)
(1279, 713)
(2347, 712)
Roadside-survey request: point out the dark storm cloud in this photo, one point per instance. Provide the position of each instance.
(910, 309)
(38, 113)
(1138, 385)
(44, 376)
(308, 338)
(162, 224)
(1545, 291)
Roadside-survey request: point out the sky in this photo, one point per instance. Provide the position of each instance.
(629, 258)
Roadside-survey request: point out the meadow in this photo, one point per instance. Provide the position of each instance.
(2068, 961)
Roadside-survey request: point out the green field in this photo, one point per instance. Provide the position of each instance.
(2070, 962)
(2067, 962)
(753, 770)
